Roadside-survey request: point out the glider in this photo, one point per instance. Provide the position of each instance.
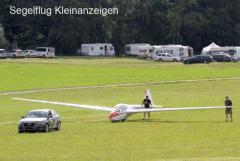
(121, 112)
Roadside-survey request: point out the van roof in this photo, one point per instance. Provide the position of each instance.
(98, 44)
(44, 47)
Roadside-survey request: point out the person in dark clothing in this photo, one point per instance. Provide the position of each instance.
(147, 104)
(228, 110)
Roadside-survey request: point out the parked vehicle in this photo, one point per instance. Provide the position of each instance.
(140, 50)
(97, 49)
(233, 51)
(165, 57)
(40, 120)
(175, 50)
(29, 53)
(45, 52)
(223, 58)
(16, 53)
(198, 59)
(3, 53)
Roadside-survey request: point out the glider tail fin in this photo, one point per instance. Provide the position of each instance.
(148, 93)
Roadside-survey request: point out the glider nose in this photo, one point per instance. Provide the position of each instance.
(113, 114)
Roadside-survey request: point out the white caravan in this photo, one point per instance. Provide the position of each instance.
(3, 53)
(97, 49)
(141, 50)
(45, 52)
(176, 50)
(121, 112)
(234, 51)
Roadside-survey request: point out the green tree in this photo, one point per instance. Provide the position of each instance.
(3, 41)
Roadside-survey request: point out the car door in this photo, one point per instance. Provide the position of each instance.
(169, 57)
(200, 59)
(164, 57)
(196, 59)
(226, 58)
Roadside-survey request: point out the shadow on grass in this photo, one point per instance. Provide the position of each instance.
(153, 121)
(88, 57)
(173, 121)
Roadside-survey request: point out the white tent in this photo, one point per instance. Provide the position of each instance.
(209, 47)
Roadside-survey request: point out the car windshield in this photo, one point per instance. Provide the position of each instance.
(37, 114)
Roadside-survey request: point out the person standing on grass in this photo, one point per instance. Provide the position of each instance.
(228, 110)
(147, 104)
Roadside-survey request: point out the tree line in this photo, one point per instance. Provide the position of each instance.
(196, 23)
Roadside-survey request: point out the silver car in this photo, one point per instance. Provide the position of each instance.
(16, 53)
(40, 120)
(165, 57)
(28, 53)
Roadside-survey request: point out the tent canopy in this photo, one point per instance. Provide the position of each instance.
(209, 47)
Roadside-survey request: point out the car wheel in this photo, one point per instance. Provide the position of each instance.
(160, 60)
(46, 128)
(19, 131)
(44, 56)
(58, 128)
(174, 60)
(205, 62)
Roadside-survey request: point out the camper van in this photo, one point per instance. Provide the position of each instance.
(45, 52)
(233, 51)
(97, 49)
(141, 50)
(175, 50)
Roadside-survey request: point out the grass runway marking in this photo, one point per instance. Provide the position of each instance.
(117, 85)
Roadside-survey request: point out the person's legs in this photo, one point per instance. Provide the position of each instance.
(227, 113)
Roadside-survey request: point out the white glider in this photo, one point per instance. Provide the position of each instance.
(121, 112)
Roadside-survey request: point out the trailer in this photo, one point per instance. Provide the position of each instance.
(175, 50)
(140, 50)
(98, 49)
(3, 53)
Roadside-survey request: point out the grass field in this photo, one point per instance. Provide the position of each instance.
(89, 136)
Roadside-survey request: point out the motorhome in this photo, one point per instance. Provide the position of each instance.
(176, 50)
(141, 50)
(97, 49)
(233, 51)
